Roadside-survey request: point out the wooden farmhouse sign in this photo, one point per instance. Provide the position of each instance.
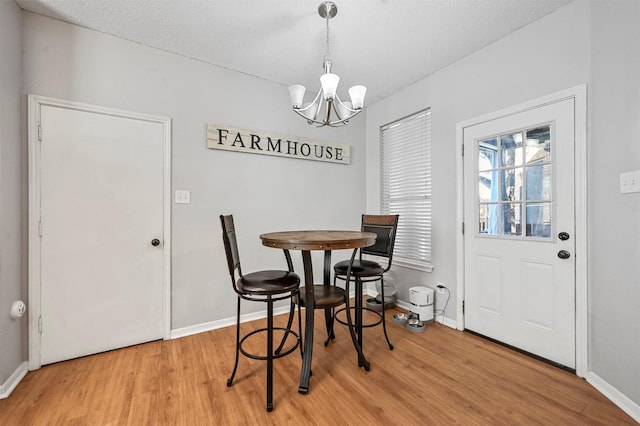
(232, 139)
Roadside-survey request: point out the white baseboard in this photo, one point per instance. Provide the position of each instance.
(7, 387)
(225, 322)
(625, 404)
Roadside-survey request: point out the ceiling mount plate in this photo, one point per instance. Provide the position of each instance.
(327, 9)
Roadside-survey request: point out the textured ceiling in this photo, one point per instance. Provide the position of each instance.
(383, 44)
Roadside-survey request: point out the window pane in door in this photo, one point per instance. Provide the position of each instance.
(539, 220)
(488, 219)
(488, 186)
(512, 219)
(539, 183)
(511, 184)
(538, 145)
(511, 150)
(488, 154)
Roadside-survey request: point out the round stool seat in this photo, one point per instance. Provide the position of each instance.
(324, 296)
(268, 282)
(360, 267)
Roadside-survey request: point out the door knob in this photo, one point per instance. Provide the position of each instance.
(563, 236)
(563, 254)
(155, 242)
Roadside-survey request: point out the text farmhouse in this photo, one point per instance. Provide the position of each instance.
(233, 139)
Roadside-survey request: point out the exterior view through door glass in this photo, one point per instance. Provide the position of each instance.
(519, 266)
(514, 184)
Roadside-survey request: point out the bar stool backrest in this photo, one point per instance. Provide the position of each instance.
(385, 227)
(231, 247)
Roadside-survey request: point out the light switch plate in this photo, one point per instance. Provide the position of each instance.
(183, 197)
(629, 182)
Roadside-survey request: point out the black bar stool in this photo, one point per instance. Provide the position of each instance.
(262, 286)
(364, 270)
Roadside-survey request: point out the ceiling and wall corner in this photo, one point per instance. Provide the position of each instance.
(284, 41)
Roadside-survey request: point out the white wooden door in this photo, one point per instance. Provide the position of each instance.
(519, 230)
(101, 186)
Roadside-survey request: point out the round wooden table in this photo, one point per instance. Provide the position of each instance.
(305, 241)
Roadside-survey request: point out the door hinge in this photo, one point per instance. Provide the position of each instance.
(40, 132)
(40, 324)
(463, 227)
(463, 150)
(463, 306)
(39, 229)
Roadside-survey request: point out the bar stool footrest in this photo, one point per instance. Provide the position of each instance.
(352, 308)
(275, 356)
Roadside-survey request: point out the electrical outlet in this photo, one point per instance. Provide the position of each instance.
(440, 288)
(183, 197)
(630, 182)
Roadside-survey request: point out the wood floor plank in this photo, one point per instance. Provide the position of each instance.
(440, 377)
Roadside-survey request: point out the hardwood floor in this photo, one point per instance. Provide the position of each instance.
(439, 377)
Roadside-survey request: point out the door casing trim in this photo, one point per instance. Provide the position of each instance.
(579, 95)
(35, 102)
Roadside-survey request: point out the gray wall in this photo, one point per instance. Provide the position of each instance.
(264, 193)
(12, 267)
(614, 218)
(597, 43)
(547, 56)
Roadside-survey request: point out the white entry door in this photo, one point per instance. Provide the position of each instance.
(101, 268)
(519, 231)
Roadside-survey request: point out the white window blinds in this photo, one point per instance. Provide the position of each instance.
(406, 186)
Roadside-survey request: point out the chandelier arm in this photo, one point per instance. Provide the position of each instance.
(346, 107)
(338, 123)
(309, 120)
(318, 105)
(308, 112)
(316, 102)
(328, 109)
(312, 121)
(339, 111)
(342, 121)
(343, 112)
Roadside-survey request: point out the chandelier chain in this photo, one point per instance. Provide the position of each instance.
(327, 56)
